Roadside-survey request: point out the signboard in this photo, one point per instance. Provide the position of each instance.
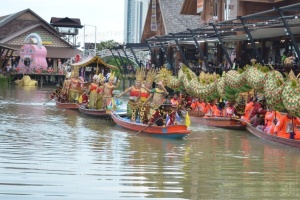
(199, 6)
(153, 16)
(47, 42)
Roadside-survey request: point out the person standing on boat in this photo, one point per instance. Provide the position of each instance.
(286, 127)
(134, 94)
(159, 93)
(271, 118)
(92, 92)
(108, 91)
(64, 95)
(75, 87)
(99, 102)
(145, 93)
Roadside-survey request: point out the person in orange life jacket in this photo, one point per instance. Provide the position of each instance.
(248, 110)
(258, 113)
(286, 127)
(198, 105)
(271, 118)
(211, 108)
(230, 110)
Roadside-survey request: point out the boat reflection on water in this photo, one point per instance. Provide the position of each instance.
(144, 162)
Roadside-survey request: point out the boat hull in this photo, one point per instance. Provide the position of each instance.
(104, 113)
(174, 131)
(272, 138)
(73, 106)
(220, 122)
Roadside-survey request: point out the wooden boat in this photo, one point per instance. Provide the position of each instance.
(220, 122)
(273, 138)
(100, 113)
(173, 131)
(74, 106)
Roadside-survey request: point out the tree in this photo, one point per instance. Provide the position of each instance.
(107, 45)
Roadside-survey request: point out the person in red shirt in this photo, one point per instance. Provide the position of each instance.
(156, 118)
(258, 113)
(134, 95)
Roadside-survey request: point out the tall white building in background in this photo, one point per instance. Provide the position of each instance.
(135, 16)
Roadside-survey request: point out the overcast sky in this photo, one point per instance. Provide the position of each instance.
(106, 15)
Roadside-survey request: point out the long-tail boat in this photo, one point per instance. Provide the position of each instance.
(73, 106)
(100, 112)
(272, 138)
(172, 131)
(216, 121)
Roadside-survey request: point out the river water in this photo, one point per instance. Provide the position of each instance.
(49, 153)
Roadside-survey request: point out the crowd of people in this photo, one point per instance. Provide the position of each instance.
(267, 119)
(157, 105)
(94, 95)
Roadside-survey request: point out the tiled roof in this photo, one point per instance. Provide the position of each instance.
(174, 21)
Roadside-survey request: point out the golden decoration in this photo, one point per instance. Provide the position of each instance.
(151, 76)
(112, 76)
(101, 78)
(163, 75)
(140, 74)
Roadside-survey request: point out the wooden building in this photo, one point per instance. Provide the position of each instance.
(14, 28)
(164, 18)
(270, 41)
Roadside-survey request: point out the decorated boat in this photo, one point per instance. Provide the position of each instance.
(172, 131)
(105, 113)
(73, 106)
(273, 138)
(220, 122)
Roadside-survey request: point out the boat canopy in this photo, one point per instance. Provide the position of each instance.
(92, 60)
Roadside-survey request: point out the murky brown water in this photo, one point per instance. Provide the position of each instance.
(47, 153)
